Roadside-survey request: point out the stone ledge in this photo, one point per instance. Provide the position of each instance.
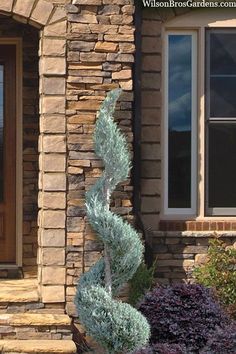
(194, 234)
(34, 319)
(23, 290)
(37, 346)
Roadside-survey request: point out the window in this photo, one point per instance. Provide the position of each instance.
(200, 122)
(221, 121)
(180, 121)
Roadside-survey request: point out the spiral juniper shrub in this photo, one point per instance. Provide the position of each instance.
(164, 348)
(223, 340)
(182, 314)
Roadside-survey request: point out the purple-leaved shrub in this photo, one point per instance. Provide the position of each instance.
(222, 341)
(163, 348)
(183, 314)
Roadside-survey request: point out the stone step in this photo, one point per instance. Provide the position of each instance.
(18, 291)
(37, 346)
(24, 326)
(34, 319)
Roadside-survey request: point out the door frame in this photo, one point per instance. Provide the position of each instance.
(19, 153)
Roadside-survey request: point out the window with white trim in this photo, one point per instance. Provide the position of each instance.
(221, 121)
(180, 122)
(200, 173)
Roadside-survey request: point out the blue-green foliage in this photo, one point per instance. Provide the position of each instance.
(116, 325)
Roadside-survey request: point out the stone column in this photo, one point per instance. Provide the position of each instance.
(52, 148)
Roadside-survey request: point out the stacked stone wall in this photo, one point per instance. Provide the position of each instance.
(178, 252)
(177, 245)
(100, 57)
(82, 55)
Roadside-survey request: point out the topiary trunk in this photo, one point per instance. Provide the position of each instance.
(114, 324)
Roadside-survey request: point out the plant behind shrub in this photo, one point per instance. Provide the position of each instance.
(141, 283)
(222, 341)
(182, 314)
(219, 271)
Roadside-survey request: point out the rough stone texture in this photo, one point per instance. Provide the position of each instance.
(100, 57)
(23, 7)
(37, 346)
(82, 56)
(17, 291)
(24, 318)
(53, 256)
(53, 238)
(52, 294)
(6, 5)
(54, 273)
(178, 251)
(53, 66)
(41, 12)
(34, 320)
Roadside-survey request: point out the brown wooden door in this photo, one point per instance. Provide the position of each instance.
(7, 153)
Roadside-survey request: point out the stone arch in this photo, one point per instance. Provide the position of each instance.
(35, 12)
(51, 21)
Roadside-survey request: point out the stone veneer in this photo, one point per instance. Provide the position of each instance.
(86, 48)
(100, 57)
(177, 245)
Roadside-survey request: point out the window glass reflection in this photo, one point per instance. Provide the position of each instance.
(222, 96)
(222, 165)
(222, 75)
(179, 121)
(223, 53)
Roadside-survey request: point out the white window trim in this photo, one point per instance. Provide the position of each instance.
(182, 211)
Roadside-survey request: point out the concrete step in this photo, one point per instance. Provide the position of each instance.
(24, 326)
(37, 346)
(18, 291)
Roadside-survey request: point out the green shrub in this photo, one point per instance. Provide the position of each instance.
(219, 271)
(141, 282)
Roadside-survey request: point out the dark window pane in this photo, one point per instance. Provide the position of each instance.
(222, 165)
(179, 121)
(1, 132)
(223, 53)
(222, 96)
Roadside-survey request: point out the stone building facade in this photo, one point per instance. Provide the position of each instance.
(70, 54)
(177, 242)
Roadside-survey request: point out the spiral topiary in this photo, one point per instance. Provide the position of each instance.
(117, 326)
